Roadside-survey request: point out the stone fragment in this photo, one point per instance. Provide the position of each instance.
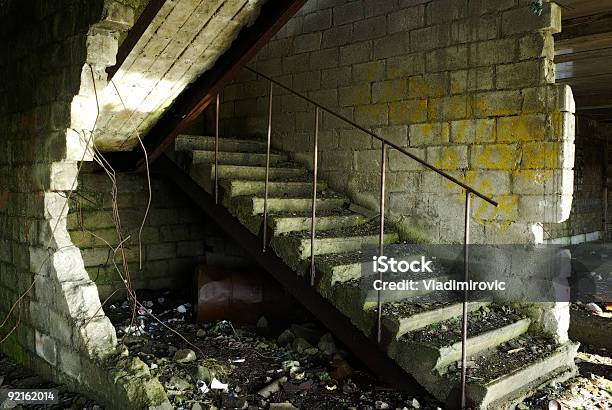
(285, 338)
(185, 356)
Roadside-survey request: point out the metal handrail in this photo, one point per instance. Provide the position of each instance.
(381, 139)
(385, 143)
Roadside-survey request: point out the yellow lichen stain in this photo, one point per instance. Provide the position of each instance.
(448, 160)
(540, 155)
(496, 157)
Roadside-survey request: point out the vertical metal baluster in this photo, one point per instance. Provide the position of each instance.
(466, 242)
(313, 217)
(265, 213)
(381, 237)
(217, 151)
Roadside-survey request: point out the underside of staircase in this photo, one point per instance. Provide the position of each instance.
(421, 334)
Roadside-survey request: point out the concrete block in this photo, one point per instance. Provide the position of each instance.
(529, 127)
(541, 155)
(445, 157)
(522, 20)
(397, 134)
(317, 21)
(407, 19)
(391, 45)
(537, 45)
(370, 28)
(489, 182)
(405, 66)
(333, 78)
(356, 53)
(390, 90)
(307, 42)
(450, 58)
(378, 7)
(296, 63)
(372, 114)
(321, 59)
(492, 52)
(408, 112)
(524, 74)
(428, 85)
(428, 134)
(494, 156)
(348, 13)
(402, 181)
(368, 72)
(497, 103)
(355, 95)
(161, 251)
(550, 208)
(398, 161)
(472, 131)
(101, 49)
(440, 11)
(447, 108)
(337, 36)
(429, 38)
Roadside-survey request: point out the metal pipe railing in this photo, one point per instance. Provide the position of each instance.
(313, 220)
(269, 138)
(217, 150)
(381, 237)
(469, 191)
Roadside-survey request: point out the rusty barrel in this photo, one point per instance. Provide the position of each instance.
(238, 295)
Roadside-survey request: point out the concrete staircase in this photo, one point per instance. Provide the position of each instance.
(423, 333)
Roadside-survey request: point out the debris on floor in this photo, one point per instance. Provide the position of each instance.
(590, 390)
(224, 365)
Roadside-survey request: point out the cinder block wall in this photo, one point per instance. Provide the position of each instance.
(465, 85)
(175, 238)
(585, 222)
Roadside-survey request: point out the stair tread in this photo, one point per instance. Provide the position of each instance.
(369, 228)
(186, 142)
(498, 362)
(424, 303)
(225, 152)
(325, 194)
(448, 332)
(342, 212)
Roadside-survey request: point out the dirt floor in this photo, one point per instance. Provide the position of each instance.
(276, 365)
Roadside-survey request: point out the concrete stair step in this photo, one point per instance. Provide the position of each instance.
(203, 142)
(500, 380)
(439, 344)
(246, 172)
(285, 223)
(406, 316)
(348, 239)
(234, 158)
(237, 187)
(291, 204)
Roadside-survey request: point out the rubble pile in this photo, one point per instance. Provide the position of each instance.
(226, 366)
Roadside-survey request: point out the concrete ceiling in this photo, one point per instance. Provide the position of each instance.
(583, 55)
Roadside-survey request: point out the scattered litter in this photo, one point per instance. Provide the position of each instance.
(161, 300)
(415, 403)
(215, 384)
(272, 387)
(181, 309)
(593, 307)
(203, 387)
